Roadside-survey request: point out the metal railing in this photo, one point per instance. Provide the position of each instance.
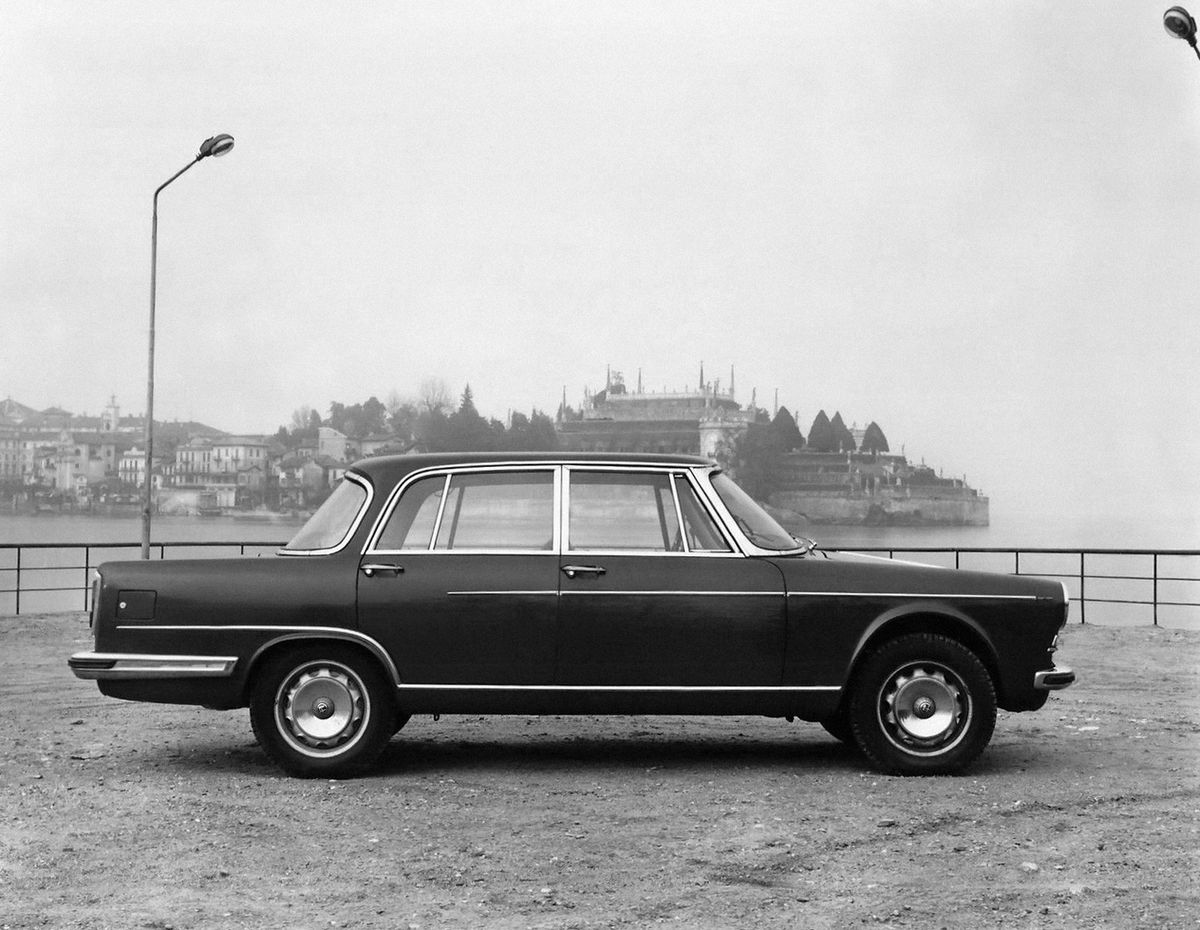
(1093, 576)
(64, 561)
(1079, 573)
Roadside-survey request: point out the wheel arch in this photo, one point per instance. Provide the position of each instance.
(359, 642)
(926, 618)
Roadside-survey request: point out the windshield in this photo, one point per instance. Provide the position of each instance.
(333, 520)
(751, 519)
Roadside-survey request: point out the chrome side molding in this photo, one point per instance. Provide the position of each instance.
(119, 665)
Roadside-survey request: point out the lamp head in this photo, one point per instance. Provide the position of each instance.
(216, 146)
(1179, 23)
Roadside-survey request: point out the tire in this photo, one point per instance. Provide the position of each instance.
(838, 726)
(322, 711)
(922, 704)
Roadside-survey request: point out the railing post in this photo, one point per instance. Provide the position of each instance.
(1156, 589)
(957, 553)
(1082, 600)
(87, 569)
(18, 591)
(1016, 561)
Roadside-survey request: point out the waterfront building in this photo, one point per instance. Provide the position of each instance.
(10, 451)
(697, 421)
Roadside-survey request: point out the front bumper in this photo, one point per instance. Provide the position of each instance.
(115, 666)
(1054, 679)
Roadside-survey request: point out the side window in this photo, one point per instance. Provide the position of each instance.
(611, 510)
(702, 533)
(411, 524)
(505, 510)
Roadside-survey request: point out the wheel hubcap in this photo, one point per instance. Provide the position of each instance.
(924, 707)
(322, 706)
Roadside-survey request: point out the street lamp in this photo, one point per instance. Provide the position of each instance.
(1179, 23)
(216, 146)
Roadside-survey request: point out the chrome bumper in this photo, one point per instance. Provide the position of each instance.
(120, 665)
(1053, 679)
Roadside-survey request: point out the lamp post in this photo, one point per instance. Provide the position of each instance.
(1179, 23)
(216, 146)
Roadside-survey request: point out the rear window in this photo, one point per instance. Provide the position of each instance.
(334, 519)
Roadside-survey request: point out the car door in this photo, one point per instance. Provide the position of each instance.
(654, 593)
(460, 582)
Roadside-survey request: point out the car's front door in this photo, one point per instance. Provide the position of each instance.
(653, 593)
(460, 584)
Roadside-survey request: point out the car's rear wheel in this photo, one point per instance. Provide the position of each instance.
(322, 711)
(922, 704)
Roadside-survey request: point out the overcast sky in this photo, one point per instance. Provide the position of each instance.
(978, 225)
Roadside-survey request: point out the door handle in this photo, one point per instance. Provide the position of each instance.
(372, 567)
(572, 570)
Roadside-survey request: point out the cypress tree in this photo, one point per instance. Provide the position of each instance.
(843, 439)
(786, 431)
(820, 435)
(874, 440)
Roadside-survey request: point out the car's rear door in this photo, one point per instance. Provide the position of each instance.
(653, 593)
(460, 582)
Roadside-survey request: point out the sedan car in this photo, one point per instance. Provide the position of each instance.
(572, 584)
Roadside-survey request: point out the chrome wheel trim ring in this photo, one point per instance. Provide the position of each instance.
(322, 708)
(924, 708)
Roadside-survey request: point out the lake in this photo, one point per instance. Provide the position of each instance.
(57, 568)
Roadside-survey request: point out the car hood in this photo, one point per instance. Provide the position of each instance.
(857, 573)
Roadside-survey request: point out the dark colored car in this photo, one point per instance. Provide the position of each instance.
(572, 584)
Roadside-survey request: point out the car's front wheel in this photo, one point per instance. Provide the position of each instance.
(322, 711)
(922, 704)
(838, 726)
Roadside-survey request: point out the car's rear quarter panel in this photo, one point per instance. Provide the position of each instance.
(226, 607)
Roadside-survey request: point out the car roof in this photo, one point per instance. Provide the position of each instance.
(385, 467)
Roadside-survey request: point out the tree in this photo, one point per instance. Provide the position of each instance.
(403, 420)
(434, 395)
(757, 460)
(301, 417)
(374, 417)
(788, 433)
(542, 435)
(820, 435)
(530, 434)
(873, 440)
(466, 430)
(842, 437)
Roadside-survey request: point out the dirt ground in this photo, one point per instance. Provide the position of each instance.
(1085, 814)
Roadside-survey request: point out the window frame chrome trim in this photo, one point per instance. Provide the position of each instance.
(367, 485)
(672, 471)
(683, 540)
(730, 544)
(448, 471)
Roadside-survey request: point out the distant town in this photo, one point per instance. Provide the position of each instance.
(837, 474)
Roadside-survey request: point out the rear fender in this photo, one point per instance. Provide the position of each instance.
(317, 635)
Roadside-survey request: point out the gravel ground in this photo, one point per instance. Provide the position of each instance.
(1085, 814)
